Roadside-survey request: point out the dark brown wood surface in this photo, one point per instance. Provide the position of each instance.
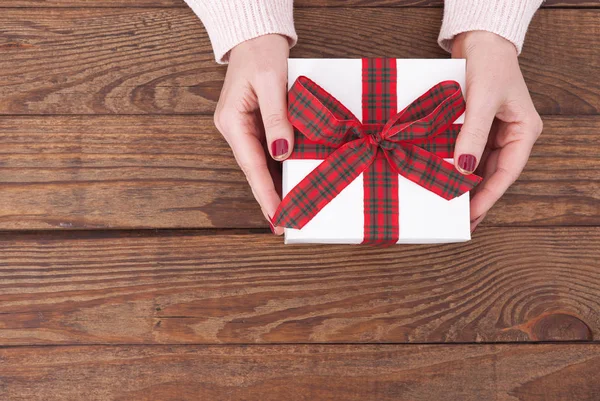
(126, 172)
(159, 61)
(303, 372)
(238, 289)
(135, 265)
(120, 172)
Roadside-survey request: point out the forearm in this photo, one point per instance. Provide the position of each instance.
(507, 18)
(230, 22)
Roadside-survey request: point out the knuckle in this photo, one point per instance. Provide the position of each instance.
(513, 110)
(511, 175)
(514, 132)
(217, 119)
(532, 127)
(492, 193)
(538, 125)
(477, 135)
(225, 118)
(273, 120)
(247, 170)
(221, 119)
(248, 167)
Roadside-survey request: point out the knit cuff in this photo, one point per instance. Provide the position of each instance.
(507, 18)
(231, 22)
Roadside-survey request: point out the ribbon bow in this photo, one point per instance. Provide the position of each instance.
(411, 144)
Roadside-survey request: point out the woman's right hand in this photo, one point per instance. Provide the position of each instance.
(252, 111)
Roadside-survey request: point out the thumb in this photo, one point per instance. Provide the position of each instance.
(272, 101)
(473, 136)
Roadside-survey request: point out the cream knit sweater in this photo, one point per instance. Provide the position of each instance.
(230, 22)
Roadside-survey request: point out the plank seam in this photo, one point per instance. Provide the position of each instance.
(287, 344)
(78, 234)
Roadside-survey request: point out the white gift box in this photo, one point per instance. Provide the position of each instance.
(424, 216)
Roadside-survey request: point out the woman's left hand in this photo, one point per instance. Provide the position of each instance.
(501, 123)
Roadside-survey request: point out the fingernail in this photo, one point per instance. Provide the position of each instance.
(466, 163)
(279, 147)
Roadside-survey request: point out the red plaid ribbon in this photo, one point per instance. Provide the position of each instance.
(411, 143)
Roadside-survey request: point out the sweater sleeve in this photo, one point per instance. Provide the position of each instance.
(231, 22)
(507, 18)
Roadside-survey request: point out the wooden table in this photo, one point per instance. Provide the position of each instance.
(135, 265)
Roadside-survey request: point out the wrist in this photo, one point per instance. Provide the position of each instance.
(506, 18)
(465, 42)
(261, 44)
(231, 22)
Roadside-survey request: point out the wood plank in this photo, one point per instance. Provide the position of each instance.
(84, 172)
(120, 172)
(159, 60)
(506, 285)
(560, 183)
(297, 3)
(532, 372)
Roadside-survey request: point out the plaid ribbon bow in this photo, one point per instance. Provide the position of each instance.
(411, 143)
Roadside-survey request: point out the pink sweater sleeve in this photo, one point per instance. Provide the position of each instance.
(231, 22)
(507, 18)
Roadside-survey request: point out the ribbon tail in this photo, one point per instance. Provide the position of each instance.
(430, 171)
(324, 183)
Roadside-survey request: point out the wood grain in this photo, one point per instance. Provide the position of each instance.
(297, 3)
(507, 285)
(123, 172)
(159, 60)
(88, 144)
(120, 172)
(302, 372)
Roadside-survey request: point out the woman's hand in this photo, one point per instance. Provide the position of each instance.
(501, 123)
(252, 109)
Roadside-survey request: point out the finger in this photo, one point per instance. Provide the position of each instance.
(511, 161)
(486, 169)
(275, 169)
(271, 91)
(251, 158)
(476, 222)
(473, 136)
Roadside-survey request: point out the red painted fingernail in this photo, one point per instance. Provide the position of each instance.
(279, 147)
(466, 163)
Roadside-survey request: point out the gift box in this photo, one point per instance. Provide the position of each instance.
(372, 159)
